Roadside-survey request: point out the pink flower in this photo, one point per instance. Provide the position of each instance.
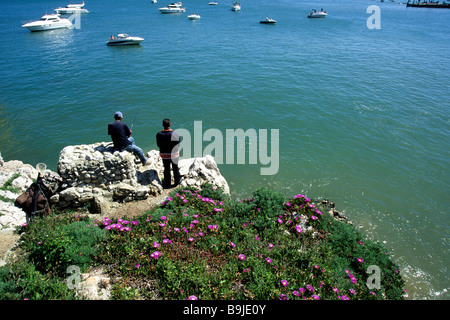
(298, 229)
(271, 245)
(163, 218)
(360, 260)
(191, 239)
(316, 297)
(232, 244)
(138, 265)
(155, 255)
(314, 217)
(279, 220)
(288, 204)
(284, 283)
(268, 260)
(241, 257)
(192, 298)
(155, 244)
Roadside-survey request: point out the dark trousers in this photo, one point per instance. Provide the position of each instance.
(176, 172)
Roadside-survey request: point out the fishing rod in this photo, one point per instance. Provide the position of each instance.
(135, 117)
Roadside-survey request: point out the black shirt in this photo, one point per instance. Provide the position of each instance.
(119, 133)
(168, 141)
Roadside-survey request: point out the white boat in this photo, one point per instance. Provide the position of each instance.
(213, 3)
(174, 7)
(48, 22)
(154, 1)
(235, 6)
(268, 21)
(123, 39)
(80, 5)
(193, 17)
(316, 14)
(72, 9)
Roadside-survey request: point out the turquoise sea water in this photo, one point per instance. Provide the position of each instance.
(363, 115)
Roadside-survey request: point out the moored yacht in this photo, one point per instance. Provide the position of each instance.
(173, 8)
(123, 39)
(316, 14)
(48, 22)
(235, 6)
(194, 17)
(70, 10)
(80, 5)
(268, 21)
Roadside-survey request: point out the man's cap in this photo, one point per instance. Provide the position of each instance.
(118, 114)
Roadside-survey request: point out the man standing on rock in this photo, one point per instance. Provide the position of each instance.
(168, 142)
(121, 137)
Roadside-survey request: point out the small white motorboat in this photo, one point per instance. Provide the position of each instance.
(213, 3)
(154, 1)
(123, 39)
(71, 10)
(317, 14)
(48, 22)
(194, 17)
(174, 7)
(268, 21)
(235, 6)
(80, 5)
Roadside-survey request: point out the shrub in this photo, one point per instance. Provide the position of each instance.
(55, 242)
(265, 247)
(21, 281)
(83, 246)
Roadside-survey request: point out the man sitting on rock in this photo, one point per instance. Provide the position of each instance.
(168, 142)
(121, 137)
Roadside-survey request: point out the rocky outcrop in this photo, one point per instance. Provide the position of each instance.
(98, 177)
(97, 174)
(194, 171)
(18, 176)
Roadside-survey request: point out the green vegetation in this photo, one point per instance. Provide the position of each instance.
(7, 186)
(199, 244)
